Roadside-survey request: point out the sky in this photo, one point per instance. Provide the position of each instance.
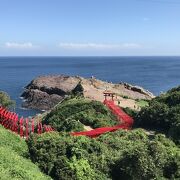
(89, 27)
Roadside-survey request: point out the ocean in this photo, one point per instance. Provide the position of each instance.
(157, 74)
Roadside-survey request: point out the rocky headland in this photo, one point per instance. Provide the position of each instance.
(45, 92)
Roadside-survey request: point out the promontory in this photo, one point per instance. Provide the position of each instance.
(45, 92)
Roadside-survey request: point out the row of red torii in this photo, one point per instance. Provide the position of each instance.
(25, 126)
(22, 126)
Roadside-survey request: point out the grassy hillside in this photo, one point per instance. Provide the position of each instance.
(14, 162)
(73, 114)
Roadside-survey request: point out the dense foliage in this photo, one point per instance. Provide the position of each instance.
(130, 112)
(117, 155)
(163, 113)
(5, 100)
(14, 162)
(126, 155)
(73, 114)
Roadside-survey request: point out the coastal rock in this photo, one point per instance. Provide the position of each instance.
(45, 92)
(138, 89)
(37, 99)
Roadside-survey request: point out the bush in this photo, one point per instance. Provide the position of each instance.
(116, 155)
(5, 100)
(73, 114)
(130, 112)
(163, 114)
(65, 157)
(151, 160)
(156, 115)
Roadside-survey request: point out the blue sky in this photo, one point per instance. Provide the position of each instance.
(89, 27)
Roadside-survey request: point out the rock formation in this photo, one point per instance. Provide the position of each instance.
(45, 92)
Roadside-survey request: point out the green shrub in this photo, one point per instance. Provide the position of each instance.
(142, 103)
(130, 112)
(116, 155)
(150, 160)
(5, 100)
(73, 114)
(163, 114)
(65, 157)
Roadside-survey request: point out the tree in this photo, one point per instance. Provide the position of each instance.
(155, 159)
(5, 100)
(116, 155)
(66, 157)
(162, 114)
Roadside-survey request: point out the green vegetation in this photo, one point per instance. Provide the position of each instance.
(131, 155)
(73, 114)
(14, 162)
(142, 103)
(5, 100)
(163, 114)
(130, 112)
(118, 155)
(125, 97)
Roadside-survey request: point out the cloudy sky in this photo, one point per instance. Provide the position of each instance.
(89, 27)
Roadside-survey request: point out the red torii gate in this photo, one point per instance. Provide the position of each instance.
(23, 127)
(108, 94)
(125, 120)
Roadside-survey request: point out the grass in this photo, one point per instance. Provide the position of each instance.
(142, 103)
(14, 162)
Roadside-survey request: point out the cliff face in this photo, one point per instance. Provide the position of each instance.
(45, 92)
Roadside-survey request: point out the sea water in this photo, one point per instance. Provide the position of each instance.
(157, 74)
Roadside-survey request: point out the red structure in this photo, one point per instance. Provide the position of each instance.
(108, 94)
(24, 127)
(21, 122)
(125, 120)
(27, 128)
(32, 126)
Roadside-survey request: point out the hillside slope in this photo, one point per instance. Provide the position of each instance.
(14, 162)
(77, 113)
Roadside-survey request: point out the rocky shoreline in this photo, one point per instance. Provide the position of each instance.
(45, 92)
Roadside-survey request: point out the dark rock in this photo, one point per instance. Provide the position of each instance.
(46, 91)
(37, 99)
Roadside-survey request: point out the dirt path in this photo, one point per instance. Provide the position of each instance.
(88, 128)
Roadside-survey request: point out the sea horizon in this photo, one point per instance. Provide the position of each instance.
(156, 74)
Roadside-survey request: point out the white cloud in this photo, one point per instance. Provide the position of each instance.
(15, 45)
(99, 46)
(131, 45)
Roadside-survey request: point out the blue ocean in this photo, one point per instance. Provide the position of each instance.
(157, 74)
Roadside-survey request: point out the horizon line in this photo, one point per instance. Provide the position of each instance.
(90, 56)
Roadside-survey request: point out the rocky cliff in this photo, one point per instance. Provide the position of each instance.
(44, 92)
